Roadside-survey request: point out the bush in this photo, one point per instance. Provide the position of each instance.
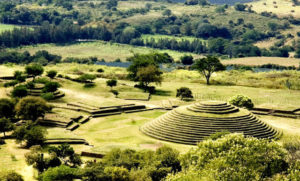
(48, 96)
(184, 92)
(30, 85)
(100, 70)
(51, 87)
(51, 74)
(187, 59)
(20, 91)
(59, 173)
(241, 101)
(41, 80)
(12, 176)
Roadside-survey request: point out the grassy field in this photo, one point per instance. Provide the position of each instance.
(263, 60)
(279, 7)
(157, 37)
(4, 27)
(100, 49)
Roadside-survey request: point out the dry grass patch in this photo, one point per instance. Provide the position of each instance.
(263, 60)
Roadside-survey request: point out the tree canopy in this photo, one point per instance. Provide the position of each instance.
(31, 108)
(207, 66)
(34, 70)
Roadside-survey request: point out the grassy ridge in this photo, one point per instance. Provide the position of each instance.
(4, 27)
(100, 49)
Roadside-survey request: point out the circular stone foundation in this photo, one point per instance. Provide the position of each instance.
(191, 124)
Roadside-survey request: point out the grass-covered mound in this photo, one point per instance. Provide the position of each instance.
(193, 123)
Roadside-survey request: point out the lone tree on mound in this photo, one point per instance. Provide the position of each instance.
(207, 66)
(184, 92)
(111, 83)
(34, 70)
(31, 108)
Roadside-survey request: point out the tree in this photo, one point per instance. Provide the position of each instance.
(5, 125)
(59, 173)
(31, 108)
(184, 92)
(207, 66)
(149, 74)
(20, 91)
(51, 74)
(111, 83)
(66, 154)
(241, 101)
(187, 59)
(234, 157)
(31, 134)
(167, 12)
(7, 107)
(34, 70)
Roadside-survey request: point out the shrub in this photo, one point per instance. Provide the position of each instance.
(184, 92)
(87, 78)
(12, 176)
(100, 70)
(11, 83)
(117, 173)
(48, 96)
(59, 173)
(187, 59)
(51, 87)
(218, 135)
(51, 74)
(41, 80)
(34, 70)
(20, 91)
(30, 85)
(241, 101)
(115, 92)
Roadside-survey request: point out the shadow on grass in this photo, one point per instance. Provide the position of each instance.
(160, 92)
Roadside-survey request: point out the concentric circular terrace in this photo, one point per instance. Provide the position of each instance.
(191, 124)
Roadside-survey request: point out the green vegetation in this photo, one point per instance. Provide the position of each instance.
(241, 101)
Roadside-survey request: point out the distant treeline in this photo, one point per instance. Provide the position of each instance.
(264, 66)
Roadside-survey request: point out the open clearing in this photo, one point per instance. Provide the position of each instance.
(263, 60)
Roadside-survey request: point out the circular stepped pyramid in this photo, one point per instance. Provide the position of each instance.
(193, 123)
